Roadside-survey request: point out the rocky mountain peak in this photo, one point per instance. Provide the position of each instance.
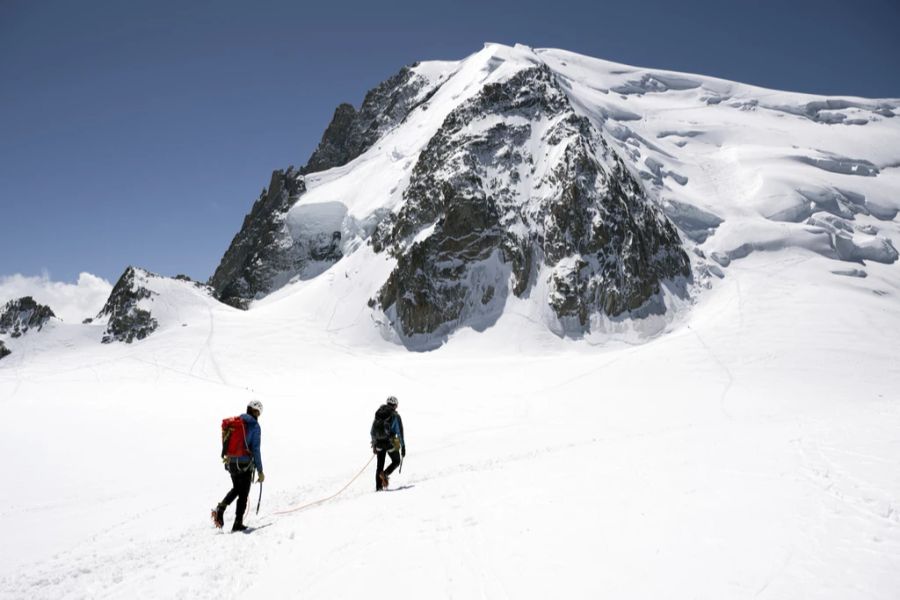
(127, 320)
(352, 132)
(515, 191)
(515, 186)
(19, 316)
(266, 253)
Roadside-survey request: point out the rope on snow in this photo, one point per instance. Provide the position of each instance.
(323, 500)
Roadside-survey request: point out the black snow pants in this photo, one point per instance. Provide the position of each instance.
(240, 489)
(395, 462)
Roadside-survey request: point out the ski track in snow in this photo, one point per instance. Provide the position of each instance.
(729, 377)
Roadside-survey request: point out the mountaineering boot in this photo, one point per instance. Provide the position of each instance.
(238, 524)
(384, 481)
(218, 515)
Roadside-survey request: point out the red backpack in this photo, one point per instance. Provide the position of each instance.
(234, 438)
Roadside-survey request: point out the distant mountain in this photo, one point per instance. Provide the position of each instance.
(17, 317)
(133, 313)
(601, 192)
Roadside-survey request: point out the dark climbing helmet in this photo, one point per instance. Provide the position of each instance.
(392, 401)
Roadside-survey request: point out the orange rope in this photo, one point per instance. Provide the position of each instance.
(323, 500)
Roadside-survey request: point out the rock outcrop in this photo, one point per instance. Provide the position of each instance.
(19, 316)
(127, 321)
(514, 183)
(352, 132)
(266, 253)
(4, 351)
(262, 254)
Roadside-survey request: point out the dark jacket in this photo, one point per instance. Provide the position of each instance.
(395, 428)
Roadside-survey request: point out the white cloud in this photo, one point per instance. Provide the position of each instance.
(71, 302)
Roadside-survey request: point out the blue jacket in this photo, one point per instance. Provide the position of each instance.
(397, 428)
(254, 437)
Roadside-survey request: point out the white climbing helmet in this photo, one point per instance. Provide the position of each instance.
(392, 401)
(255, 405)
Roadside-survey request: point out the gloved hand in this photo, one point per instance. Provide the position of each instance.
(374, 449)
(261, 477)
(403, 451)
(395, 443)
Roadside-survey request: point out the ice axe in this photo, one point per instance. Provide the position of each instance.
(258, 502)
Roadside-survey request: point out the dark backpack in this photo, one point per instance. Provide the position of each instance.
(234, 438)
(381, 426)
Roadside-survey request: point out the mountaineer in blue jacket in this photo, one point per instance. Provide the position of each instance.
(242, 457)
(387, 438)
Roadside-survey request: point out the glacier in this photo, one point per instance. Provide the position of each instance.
(738, 440)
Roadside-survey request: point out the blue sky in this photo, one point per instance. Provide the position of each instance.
(141, 132)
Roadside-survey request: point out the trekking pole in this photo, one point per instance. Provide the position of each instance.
(260, 498)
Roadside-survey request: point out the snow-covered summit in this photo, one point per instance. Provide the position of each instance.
(141, 301)
(735, 168)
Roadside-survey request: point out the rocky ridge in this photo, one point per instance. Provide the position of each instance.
(263, 250)
(265, 254)
(19, 316)
(352, 132)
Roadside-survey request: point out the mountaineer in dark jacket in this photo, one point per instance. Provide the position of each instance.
(387, 438)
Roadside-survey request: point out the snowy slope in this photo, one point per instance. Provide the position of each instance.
(779, 169)
(738, 169)
(745, 448)
(758, 457)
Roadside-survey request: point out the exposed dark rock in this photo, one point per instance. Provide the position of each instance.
(430, 286)
(265, 255)
(340, 142)
(4, 351)
(197, 284)
(352, 132)
(623, 247)
(18, 316)
(263, 249)
(128, 322)
(515, 180)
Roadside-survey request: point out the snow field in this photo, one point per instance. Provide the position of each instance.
(748, 453)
